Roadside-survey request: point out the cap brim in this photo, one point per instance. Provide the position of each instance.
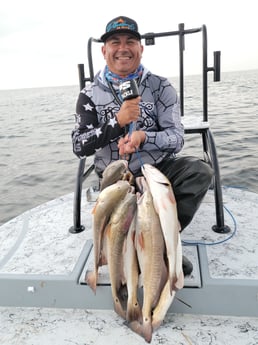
(121, 31)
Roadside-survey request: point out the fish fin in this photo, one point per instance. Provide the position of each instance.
(173, 282)
(103, 260)
(179, 284)
(141, 240)
(93, 211)
(171, 196)
(108, 230)
(162, 205)
(90, 279)
(133, 234)
(103, 257)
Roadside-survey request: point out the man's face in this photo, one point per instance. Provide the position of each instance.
(122, 53)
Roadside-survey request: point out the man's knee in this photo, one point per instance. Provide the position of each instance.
(203, 170)
(194, 170)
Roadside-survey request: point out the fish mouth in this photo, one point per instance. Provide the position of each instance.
(140, 184)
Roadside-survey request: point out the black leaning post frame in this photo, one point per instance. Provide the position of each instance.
(207, 137)
(220, 226)
(81, 175)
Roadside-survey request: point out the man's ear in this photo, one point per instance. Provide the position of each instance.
(103, 49)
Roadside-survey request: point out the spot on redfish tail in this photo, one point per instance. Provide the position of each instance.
(118, 308)
(134, 312)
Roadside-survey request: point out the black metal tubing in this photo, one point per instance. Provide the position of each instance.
(209, 147)
(81, 75)
(171, 33)
(181, 66)
(216, 57)
(81, 175)
(220, 225)
(90, 57)
(77, 226)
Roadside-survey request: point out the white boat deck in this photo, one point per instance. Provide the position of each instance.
(42, 292)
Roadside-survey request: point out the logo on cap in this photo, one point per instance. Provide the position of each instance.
(120, 24)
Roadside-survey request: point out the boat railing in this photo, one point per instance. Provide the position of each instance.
(208, 143)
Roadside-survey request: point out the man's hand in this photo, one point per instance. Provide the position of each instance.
(129, 111)
(129, 144)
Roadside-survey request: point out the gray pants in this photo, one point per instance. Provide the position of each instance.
(190, 178)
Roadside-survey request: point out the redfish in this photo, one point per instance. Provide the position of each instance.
(104, 207)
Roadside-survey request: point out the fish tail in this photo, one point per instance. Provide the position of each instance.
(147, 330)
(179, 284)
(91, 280)
(173, 282)
(144, 330)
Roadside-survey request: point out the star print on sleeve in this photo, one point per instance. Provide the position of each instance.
(87, 107)
(112, 122)
(98, 132)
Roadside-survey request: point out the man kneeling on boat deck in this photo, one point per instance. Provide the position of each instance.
(103, 119)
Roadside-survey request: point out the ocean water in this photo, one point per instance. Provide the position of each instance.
(37, 163)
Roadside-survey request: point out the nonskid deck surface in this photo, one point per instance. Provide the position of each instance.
(37, 326)
(37, 246)
(42, 265)
(38, 241)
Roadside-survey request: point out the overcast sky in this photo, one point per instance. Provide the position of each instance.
(41, 42)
